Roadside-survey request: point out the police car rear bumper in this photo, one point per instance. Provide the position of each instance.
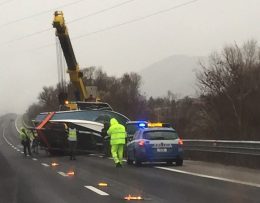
(144, 157)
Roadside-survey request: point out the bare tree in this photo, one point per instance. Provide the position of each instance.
(49, 98)
(228, 82)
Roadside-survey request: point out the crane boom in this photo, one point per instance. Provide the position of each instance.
(73, 67)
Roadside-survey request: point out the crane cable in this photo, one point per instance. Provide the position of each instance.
(61, 67)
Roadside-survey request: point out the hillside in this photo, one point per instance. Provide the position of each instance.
(175, 73)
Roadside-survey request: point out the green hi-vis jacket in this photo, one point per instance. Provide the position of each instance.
(72, 135)
(116, 132)
(24, 136)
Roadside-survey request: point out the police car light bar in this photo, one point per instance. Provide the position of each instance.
(155, 125)
(158, 125)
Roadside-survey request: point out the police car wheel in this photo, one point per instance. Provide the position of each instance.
(136, 161)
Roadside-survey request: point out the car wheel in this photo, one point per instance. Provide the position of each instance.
(169, 163)
(136, 161)
(179, 162)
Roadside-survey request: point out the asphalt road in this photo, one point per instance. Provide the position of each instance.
(32, 179)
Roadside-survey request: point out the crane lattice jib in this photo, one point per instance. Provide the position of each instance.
(73, 67)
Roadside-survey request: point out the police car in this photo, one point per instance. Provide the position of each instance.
(155, 144)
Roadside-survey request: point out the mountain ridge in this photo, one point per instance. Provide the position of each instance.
(176, 73)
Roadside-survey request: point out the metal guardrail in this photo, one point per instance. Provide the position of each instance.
(224, 146)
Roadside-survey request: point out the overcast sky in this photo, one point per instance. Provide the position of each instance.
(196, 29)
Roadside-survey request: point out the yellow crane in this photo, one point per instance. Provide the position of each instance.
(73, 67)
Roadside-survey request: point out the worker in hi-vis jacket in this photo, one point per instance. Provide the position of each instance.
(117, 135)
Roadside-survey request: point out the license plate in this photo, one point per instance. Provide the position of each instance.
(162, 146)
(161, 150)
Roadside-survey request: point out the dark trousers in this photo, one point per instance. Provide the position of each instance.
(35, 147)
(27, 147)
(107, 148)
(72, 149)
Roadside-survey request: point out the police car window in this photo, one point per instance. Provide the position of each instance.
(131, 129)
(160, 135)
(137, 135)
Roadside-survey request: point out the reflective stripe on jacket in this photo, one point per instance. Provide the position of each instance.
(72, 135)
(116, 132)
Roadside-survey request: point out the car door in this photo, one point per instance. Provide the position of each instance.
(131, 146)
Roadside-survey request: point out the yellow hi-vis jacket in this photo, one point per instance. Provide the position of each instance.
(116, 132)
(24, 135)
(72, 134)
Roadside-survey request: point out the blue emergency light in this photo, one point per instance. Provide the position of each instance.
(141, 125)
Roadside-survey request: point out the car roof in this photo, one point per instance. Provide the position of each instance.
(135, 122)
(158, 129)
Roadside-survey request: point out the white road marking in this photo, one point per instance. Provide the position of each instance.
(18, 150)
(34, 159)
(22, 152)
(9, 143)
(210, 177)
(98, 191)
(3, 135)
(124, 160)
(44, 164)
(15, 123)
(62, 173)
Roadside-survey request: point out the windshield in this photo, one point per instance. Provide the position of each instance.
(160, 135)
